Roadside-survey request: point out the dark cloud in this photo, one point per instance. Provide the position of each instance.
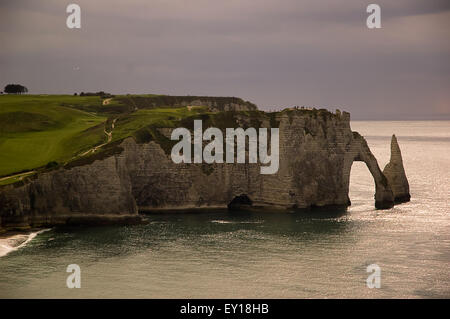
(274, 52)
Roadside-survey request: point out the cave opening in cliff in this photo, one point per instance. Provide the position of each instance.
(361, 186)
(240, 202)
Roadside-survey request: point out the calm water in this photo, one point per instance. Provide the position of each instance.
(265, 255)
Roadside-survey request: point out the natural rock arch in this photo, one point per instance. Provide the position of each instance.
(384, 197)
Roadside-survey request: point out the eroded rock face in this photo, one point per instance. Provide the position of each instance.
(316, 155)
(95, 193)
(395, 174)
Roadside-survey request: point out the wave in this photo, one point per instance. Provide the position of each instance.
(15, 242)
(235, 222)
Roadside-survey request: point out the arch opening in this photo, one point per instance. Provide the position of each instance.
(362, 186)
(240, 202)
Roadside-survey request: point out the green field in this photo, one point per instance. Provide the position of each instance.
(38, 129)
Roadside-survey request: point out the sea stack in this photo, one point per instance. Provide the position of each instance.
(395, 173)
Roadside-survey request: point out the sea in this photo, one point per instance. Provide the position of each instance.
(403, 252)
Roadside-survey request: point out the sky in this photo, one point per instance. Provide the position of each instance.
(275, 53)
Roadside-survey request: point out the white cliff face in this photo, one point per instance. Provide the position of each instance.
(395, 174)
(317, 150)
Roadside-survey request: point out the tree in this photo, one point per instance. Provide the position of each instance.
(15, 89)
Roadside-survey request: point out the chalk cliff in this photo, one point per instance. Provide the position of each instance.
(317, 149)
(395, 174)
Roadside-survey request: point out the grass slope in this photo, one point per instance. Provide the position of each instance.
(37, 129)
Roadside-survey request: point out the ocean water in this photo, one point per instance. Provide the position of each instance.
(263, 255)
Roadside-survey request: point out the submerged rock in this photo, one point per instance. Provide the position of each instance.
(395, 174)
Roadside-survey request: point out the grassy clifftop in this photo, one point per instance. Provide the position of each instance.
(35, 130)
(40, 132)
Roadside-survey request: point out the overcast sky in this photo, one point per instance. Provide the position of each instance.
(275, 53)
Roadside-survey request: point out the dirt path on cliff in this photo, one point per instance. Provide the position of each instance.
(106, 101)
(20, 175)
(109, 139)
